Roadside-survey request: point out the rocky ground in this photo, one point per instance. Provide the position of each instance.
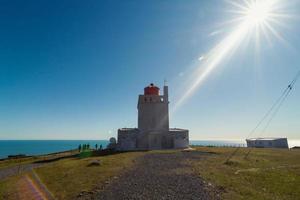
(158, 176)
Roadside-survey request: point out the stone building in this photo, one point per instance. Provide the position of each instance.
(153, 130)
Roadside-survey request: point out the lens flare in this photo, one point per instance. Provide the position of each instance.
(253, 18)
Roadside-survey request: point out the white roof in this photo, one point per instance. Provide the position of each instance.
(270, 138)
(177, 129)
(127, 129)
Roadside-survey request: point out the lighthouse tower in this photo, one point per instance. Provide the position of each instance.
(153, 130)
(153, 110)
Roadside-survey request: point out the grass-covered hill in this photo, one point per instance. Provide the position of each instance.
(264, 174)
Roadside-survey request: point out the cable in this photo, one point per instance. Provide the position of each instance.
(268, 113)
(283, 98)
(275, 112)
(277, 104)
(288, 89)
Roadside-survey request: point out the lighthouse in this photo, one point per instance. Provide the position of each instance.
(153, 109)
(153, 130)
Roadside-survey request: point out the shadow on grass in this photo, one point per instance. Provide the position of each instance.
(108, 152)
(56, 159)
(231, 163)
(82, 155)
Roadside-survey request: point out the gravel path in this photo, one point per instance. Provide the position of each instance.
(159, 176)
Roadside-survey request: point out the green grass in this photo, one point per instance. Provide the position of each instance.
(69, 177)
(7, 188)
(20, 161)
(265, 174)
(15, 162)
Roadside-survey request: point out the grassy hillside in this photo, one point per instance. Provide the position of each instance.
(30, 159)
(264, 174)
(7, 188)
(67, 178)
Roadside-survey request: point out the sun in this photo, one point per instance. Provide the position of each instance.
(253, 21)
(258, 12)
(261, 19)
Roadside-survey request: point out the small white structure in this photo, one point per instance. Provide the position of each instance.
(267, 142)
(153, 130)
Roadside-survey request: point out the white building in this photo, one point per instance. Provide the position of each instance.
(153, 130)
(267, 142)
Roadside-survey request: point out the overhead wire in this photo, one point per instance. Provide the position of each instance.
(268, 112)
(288, 89)
(271, 112)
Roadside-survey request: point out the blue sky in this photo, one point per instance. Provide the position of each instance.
(74, 69)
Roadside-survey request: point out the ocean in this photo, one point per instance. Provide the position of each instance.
(39, 147)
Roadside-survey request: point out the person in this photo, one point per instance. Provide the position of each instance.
(79, 148)
(96, 146)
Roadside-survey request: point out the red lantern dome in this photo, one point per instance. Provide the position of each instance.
(151, 90)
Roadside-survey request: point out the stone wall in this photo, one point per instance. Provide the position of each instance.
(127, 139)
(180, 138)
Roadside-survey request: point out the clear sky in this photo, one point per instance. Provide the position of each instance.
(74, 69)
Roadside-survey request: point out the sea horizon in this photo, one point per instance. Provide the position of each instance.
(41, 147)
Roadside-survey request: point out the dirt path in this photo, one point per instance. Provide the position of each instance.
(159, 176)
(15, 170)
(29, 187)
(18, 169)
